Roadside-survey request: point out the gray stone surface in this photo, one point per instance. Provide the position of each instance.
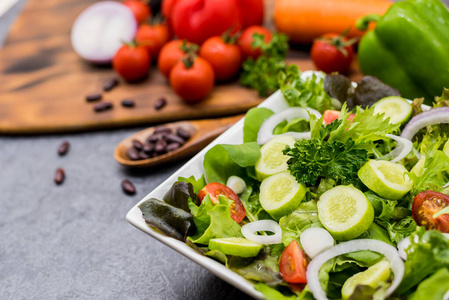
(72, 241)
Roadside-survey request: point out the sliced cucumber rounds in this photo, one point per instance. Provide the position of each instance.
(345, 212)
(272, 160)
(280, 194)
(372, 277)
(386, 179)
(446, 148)
(397, 109)
(235, 246)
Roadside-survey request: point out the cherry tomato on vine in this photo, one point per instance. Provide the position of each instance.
(293, 264)
(171, 53)
(139, 8)
(425, 205)
(223, 55)
(246, 39)
(214, 189)
(153, 37)
(332, 53)
(192, 79)
(132, 62)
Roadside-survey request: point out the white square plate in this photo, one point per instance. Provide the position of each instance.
(233, 135)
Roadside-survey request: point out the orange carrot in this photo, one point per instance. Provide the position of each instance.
(305, 20)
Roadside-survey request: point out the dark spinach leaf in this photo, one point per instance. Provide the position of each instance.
(178, 195)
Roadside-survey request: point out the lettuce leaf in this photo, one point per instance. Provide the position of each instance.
(253, 120)
(223, 161)
(428, 252)
(197, 184)
(271, 293)
(434, 287)
(214, 221)
(305, 216)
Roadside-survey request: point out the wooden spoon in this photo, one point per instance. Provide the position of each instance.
(202, 133)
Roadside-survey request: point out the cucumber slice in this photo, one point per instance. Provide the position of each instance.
(280, 194)
(345, 212)
(272, 160)
(235, 246)
(397, 109)
(371, 277)
(386, 179)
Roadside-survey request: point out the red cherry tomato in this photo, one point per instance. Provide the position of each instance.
(225, 58)
(425, 205)
(192, 79)
(132, 62)
(293, 264)
(246, 39)
(214, 189)
(331, 115)
(332, 53)
(139, 8)
(171, 53)
(153, 37)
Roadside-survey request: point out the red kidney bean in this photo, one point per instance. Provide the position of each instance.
(59, 176)
(143, 155)
(128, 103)
(137, 145)
(63, 148)
(162, 129)
(132, 153)
(148, 148)
(182, 133)
(93, 97)
(160, 146)
(102, 106)
(172, 138)
(160, 103)
(110, 84)
(172, 146)
(128, 187)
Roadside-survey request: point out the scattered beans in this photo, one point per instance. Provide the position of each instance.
(59, 176)
(182, 133)
(161, 141)
(160, 103)
(63, 148)
(128, 187)
(128, 103)
(110, 84)
(102, 106)
(93, 97)
(137, 145)
(132, 153)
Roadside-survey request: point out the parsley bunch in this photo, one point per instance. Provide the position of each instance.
(261, 74)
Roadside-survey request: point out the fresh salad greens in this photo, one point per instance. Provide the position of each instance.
(385, 222)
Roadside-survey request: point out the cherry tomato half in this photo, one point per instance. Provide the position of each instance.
(425, 205)
(293, 264)
(246, 39)
(332, 53)
(214, 189)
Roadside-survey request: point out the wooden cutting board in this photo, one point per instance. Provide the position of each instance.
(44, 82)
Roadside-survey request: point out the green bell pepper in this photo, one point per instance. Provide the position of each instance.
(409, 48)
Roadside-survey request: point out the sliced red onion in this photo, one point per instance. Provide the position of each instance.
(446, 296)
(101, 29)
(403, 148)
(431, 117)
(266, 130)
(390, 252)
(250, 230)
(316, 240)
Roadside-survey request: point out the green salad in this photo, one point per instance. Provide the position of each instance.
(344, 195)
